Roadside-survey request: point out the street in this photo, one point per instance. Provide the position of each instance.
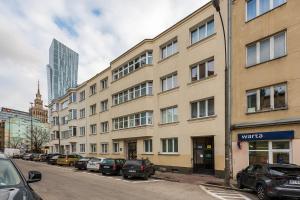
(62, 183)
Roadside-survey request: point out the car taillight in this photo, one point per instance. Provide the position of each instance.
(114, 167)
(142, 167)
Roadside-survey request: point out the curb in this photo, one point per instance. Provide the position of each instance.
(165, 179)
(224, 187)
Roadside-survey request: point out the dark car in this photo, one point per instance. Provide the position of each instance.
(82, 163)
(27, 156)
(271, 180)
(49, 156)
(112, 166)
(53, 160)
(138, 168)
(13, 184)
(43, 157)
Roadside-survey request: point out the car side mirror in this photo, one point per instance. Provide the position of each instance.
(34, 176)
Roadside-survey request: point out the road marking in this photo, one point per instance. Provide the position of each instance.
(223, 194)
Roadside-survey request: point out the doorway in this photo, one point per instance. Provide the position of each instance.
(131, 150)
(203, 155)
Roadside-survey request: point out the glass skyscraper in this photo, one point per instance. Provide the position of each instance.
(62, 70)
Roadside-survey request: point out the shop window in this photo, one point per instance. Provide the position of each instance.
(269, 152)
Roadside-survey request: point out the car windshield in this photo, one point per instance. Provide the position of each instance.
(54, 157)
(133, 162)
(284, 170)
(61, 156)
(8, 174)
(108, 161)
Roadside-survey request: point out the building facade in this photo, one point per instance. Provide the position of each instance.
(38, 111)
(265, 80)
(62, 70)
(163, 99)
(2, 125)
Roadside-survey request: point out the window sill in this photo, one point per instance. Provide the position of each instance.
(81, 135)
(92, 94)
(104, 132)
(146, 65)
(202, 40)
(116, 153)
(103, 111)
(203, 118)
(92, 114)
(265, 13)
(202, 80)
(267, 110)
(162, 60)
(168, 154)
(132, 100)
(170, 123)
(167, 91)
(104, 153)
(150, 154)
(92, 134)
(277, 58)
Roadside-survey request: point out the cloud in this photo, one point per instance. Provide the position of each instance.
(98, 30)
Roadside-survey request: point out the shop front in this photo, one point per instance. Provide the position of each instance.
(273, 147)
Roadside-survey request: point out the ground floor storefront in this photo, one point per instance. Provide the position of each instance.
(270, 144)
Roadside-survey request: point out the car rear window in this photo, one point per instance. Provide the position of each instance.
(284, 170)
(108, 161)
(134, 162)
(61, 156)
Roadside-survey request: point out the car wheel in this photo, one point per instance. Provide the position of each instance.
(262, 193)
(103, 174)
(71, 164)
(146, 176)
(239, 183)
(125, 177)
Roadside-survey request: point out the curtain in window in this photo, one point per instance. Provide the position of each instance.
(279, 45)
(265, 50)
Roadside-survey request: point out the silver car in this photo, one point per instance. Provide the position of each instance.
(94, 164)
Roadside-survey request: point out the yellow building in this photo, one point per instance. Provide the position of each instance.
(265, 82)
(163, 99)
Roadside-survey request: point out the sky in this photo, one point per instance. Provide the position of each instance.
(98, 30)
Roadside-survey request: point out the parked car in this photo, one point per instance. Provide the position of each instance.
(94, 164)
(138, 168)
(49, 156)
(13, 184)
(271, 180)
(53, 160)
(36, 157)
(82, 162)
(68, 160)
(112, 166)
(43, 157)
(28, 156)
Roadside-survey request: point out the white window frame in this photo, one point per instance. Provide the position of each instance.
(104, 105)
(173, 144)
(204, 23)
(82, 131)
(198, 69)
(82, 113)
(116, 147)
(164, 82)
(174, 119)
(93, 147)
(206, 108)
(82, 95)
(171, 46)
(93, 129)
(150, 145)
(104, 150)
(82, 148)
(104, 127)
(131, 120)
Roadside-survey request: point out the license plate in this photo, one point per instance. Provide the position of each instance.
(131, 171)
(294, 182)
(106, 167)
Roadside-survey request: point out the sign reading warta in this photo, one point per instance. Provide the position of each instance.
(274, 135)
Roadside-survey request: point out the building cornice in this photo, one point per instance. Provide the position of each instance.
(288, 121)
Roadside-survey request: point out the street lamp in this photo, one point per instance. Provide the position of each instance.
(216, 4)
(31, 127)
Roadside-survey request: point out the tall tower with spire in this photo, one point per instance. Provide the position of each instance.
(37, 110)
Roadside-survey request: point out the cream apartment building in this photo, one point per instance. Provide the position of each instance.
(265, 82)
(163, 99)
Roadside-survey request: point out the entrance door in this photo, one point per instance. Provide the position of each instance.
(132, 152)
(203, 155)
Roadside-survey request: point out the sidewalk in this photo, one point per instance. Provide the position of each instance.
(195, 179)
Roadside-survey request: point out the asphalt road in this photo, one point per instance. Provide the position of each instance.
(62, 183)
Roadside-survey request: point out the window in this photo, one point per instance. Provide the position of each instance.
(104, 105)
(64, 105)
(82, 148)
(202, 108)
(169, 82)
(267, 49)
(73, 130)
(93, 89)
(82, 131)
(134, 64)
(132, 93)
(169, 115)
(267, 98)
(72, 114)
(104, 148)
(73, 147)
(93, 109)
(202, 70)
(116, 147)
(169, 49)
(148, 146)
(82, 113)
(64, 120)
(204, 30)
(72, 97)
(259, 7)
(104, 83)
(93, 148)
(272, 152)
(93, 128)
(133, 120)
(104, 127)
(169, 145)
(82, 95)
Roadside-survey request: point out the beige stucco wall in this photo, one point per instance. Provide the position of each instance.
(185, 129)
